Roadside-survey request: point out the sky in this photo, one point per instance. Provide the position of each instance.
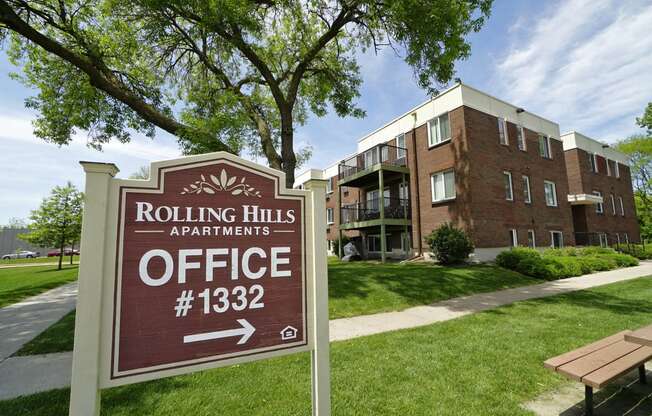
(585, 64)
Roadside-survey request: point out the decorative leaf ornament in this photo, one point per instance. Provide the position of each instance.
(223, 183)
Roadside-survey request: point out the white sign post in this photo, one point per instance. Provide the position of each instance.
(211, 262)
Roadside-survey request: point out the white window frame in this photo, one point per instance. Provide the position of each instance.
(508, 196)
(605, 242)
(502, 131)
(520, 138)
(622, 207)
(599, 207)
(387, 246)
(608, 167)
(552, 239)
(547, 146)
(513, 237)
(403, 193)
(432, 141)
(330, 216)
(526, 187)
(613, 204)
(554, 193)
(401, 149)
(432, 186)
(329, 185)
(626, 238)
(617, 169)
(531, 234)
(594, 163)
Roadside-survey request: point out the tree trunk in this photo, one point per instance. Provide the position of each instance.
(61, 249)
(72, 248)
(287, 148)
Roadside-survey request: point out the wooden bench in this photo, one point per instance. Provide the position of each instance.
(598, 364)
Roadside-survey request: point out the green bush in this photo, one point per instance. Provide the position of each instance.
(622, 260)
(511, 258)
(590, 251)
(601, 263)
(449, 244)
(562, 252)
(637, 250)
(561, 267)
(533, 266)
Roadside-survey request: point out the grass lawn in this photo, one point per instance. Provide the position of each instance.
(66, 260)
(59, 337)
(22, 282)
(361, 288)
(483, 364)
(357, 289)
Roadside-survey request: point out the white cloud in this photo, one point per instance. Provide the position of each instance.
(585, 64)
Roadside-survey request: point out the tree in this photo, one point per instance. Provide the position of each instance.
(57, 221)
(141, 173)
(14, 222)
(639, 150)
(221, 74)
(645, 120)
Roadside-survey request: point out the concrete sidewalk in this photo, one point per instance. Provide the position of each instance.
(358, 326)
(22, 321)
(21, 369)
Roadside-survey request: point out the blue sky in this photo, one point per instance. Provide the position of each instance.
(582, 63)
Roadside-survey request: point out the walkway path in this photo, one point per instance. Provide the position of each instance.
(21, 369)
(22, 321)
(13, 266)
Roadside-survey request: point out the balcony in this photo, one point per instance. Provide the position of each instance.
(396, 211)
(357, 170)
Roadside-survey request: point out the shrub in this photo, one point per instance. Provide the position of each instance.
(561, 267)
(533, 266)
(601, 263)
(449, 244)
(622, 260)
(590, 251)
(637, 250)
(562, 252)
(511, 258)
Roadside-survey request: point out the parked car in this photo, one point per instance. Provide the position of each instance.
(66, 252)
(21, 254)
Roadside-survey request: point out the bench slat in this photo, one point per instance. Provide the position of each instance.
(555, 362)
(589, 363)
(611, 371)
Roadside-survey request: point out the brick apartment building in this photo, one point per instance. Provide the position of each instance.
(504, 175)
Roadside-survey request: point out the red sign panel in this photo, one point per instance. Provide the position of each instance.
(210, 266)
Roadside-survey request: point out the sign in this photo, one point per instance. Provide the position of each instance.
(210, 262)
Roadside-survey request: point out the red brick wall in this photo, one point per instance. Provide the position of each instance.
(583, 181)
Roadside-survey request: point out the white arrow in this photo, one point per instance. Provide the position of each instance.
(245, 332)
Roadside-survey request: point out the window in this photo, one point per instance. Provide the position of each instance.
(403, 194)
(502, 131)
(442, 186)
(368, 158)
(612, 168)
(599, 207)
(617, 169)
(405, 241)
(372, 200)
(556, 239)
(384, 153)
(520, 138)
(603, 240)
(330, 219)
(544, 146)
(527, 195)
(613, 204)
(329, 186)
(531, 239)
(509, 191)
(593, 162)
(373, 243)
(550, 190)
(622, 207)
(513, 238)
(401, 151)
(626, 238)
(439, 130)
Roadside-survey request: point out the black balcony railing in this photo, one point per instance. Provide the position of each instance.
(395, 208)
(383, 153)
